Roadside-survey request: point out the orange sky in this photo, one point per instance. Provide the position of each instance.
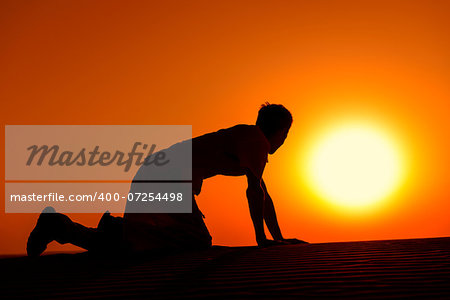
(212, 64)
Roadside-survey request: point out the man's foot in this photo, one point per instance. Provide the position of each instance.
(109, 224)
(44, 231)
(105, 221)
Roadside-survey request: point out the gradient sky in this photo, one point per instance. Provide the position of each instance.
(212, 64)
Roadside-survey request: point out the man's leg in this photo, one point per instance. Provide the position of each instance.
(172, 231)
(52, 226)
(191, 232)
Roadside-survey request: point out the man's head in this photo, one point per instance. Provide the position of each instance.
(274, 120)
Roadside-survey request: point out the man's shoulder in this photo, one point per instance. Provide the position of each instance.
(251, 137)
(247, 130)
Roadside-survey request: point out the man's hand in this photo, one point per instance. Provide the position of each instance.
(267, 243)
(294, 241)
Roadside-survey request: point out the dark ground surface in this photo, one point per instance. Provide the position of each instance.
(417, 268)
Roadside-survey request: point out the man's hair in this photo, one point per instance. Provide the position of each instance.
(272, 118)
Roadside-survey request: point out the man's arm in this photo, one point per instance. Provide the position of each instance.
(270, 216)
(255, 197)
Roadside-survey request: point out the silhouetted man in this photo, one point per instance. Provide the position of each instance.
(236, 151)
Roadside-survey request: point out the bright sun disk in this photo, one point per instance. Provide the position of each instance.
(354, 166)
